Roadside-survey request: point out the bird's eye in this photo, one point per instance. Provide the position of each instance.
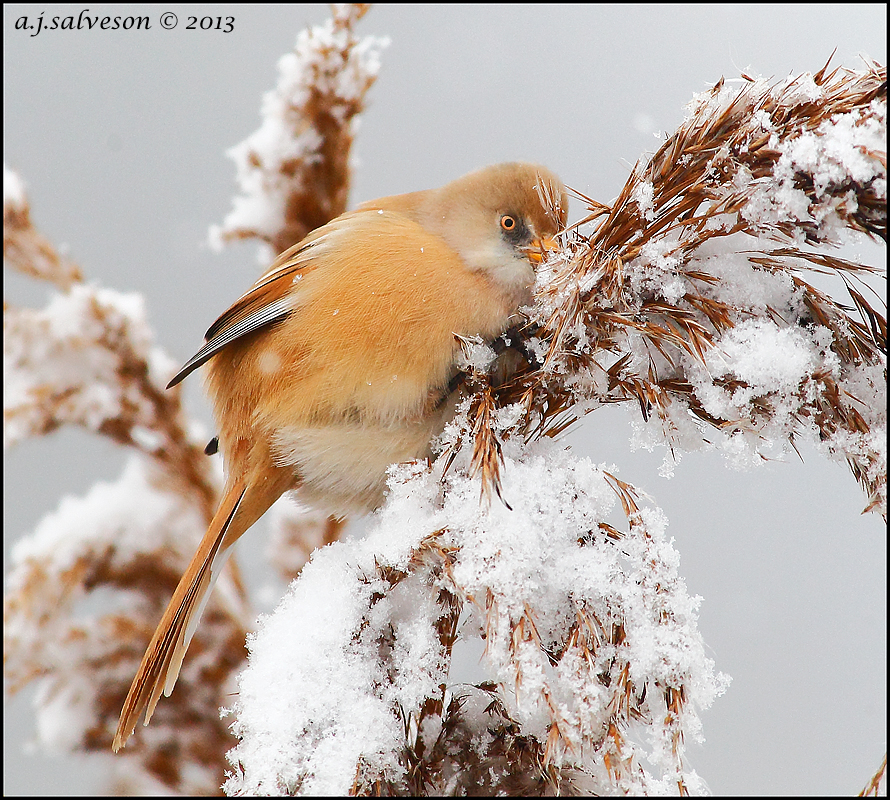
(508, 223)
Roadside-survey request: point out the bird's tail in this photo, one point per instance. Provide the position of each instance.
(242, 505)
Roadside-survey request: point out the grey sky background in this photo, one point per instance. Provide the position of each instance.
(120, 138)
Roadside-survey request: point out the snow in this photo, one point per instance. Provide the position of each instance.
(326, 63)
(643, 195)
(348, 655)
(841, 149)
(475, 355)
(766, 357)
(14, 196)
(659, 275)
(115, 522)
(67, 357)
(95, 521)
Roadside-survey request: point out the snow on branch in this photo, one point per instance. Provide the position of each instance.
(294, 170)
(690, 298)
(23, 247)
(88, 359)
(672, 298)
(83, 597)
(596, 666)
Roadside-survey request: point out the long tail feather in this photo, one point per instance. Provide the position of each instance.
(244, 503)
(168, 645)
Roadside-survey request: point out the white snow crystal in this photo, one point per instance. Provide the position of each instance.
(349, 657)
(14, 196)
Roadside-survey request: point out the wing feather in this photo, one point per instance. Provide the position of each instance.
(271, 299)
(265, 315)
(264, 304)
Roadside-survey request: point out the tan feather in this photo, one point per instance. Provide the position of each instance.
(242, 505)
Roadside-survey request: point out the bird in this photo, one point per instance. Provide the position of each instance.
(342, 359)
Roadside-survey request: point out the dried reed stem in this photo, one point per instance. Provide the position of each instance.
(612, 335)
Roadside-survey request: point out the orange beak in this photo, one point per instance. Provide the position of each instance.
(539, 248)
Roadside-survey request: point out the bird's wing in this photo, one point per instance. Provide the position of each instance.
(376, 239)
(268, 301)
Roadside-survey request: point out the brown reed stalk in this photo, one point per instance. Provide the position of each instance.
(185, 747)
(47, 587)
(873, 788)
(311, 115)
(315, 108)
(705, 183)
(598, 334)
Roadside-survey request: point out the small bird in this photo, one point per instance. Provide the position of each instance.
(342, 360)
